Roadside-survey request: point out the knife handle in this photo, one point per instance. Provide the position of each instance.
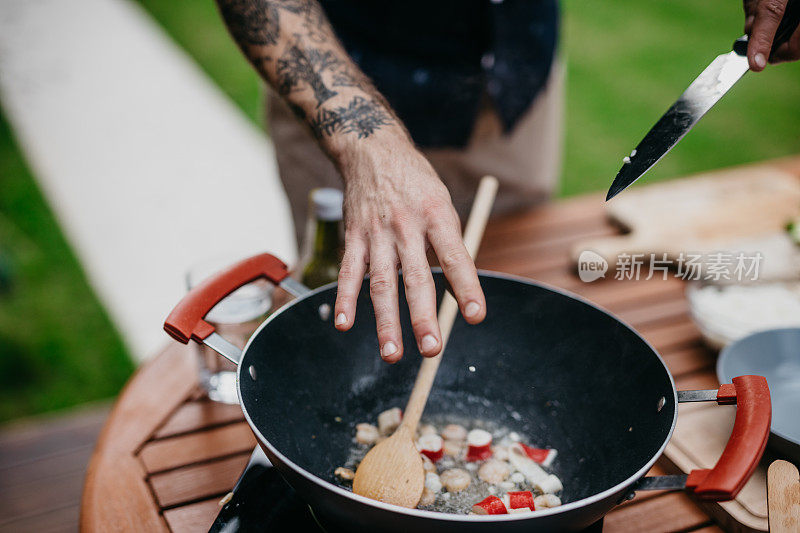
(789, 23)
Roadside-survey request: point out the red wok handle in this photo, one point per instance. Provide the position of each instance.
(186, 321)
(746, 444)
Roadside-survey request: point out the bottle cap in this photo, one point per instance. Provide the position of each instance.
(327, 204)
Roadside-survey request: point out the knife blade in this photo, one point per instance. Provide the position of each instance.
(702, 94)
(705, 91)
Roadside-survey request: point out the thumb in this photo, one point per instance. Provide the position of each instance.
(768, 17)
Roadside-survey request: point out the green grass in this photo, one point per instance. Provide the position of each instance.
(57, 346)
(627, 61)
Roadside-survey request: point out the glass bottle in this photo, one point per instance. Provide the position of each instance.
(323, 265)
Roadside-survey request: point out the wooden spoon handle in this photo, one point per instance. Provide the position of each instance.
(448, 310)
(783, 497)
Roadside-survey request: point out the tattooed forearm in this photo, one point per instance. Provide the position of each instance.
(299, 65)
(360, 116)
(314, 20)
(292, 45)
(251, 21)
(316, 24)
(258, 21)
(347, 77)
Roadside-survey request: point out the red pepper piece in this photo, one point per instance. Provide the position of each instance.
(491, 505)
(479, 453)
(520, 499)
(431, 446)
(433, 455)
(479, 445)
(538, 455)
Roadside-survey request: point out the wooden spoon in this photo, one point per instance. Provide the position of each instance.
(392, 471)
(783, 497)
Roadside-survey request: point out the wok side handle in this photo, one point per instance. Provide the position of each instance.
(187, 319)
(746, 444)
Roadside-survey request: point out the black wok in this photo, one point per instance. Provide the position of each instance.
(545, 363)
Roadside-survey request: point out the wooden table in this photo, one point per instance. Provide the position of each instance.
(166, 455)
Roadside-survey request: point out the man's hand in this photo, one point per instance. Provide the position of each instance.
(762, 18)
(395, 205)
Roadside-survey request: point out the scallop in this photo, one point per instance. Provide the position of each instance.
(428, 497)
(454, 432)
(366, 434)
(500, 452)
(455, 479)
(453, 448)
(427, 464)
(546, 500)
(494, 471)
(426, 429)
(344, 473)
(389, 420)
(433, 482)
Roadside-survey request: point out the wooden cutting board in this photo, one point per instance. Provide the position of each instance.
(700, 214)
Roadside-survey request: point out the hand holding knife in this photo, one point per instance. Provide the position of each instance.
(708, 88)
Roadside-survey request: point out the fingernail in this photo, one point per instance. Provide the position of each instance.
(760, 60)
(388, 349)
(429, 342)
(340, 319)
(472, 309)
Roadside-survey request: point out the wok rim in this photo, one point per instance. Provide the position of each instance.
(452, 517)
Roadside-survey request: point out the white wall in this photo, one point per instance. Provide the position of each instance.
(147, 165)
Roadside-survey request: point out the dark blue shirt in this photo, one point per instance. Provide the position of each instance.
(434, 59)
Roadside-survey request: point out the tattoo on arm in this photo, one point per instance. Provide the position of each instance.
(360, 116)
(255, 22)
(298, 65)
(304, 59)
(347, 77)
(314, 21)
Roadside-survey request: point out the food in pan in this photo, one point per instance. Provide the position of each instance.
(470, 468)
